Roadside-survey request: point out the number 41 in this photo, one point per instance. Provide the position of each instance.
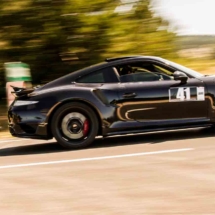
(183, 94)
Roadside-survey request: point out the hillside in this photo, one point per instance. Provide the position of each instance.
(195, 41)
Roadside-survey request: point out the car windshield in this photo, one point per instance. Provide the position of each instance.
(183, 68)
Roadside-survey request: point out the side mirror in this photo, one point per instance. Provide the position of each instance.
(180, 76)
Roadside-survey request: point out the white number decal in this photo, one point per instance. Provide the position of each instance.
(187, 93)
(183, 94)
(180, 94)
(200, 93)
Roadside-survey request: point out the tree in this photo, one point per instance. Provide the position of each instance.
(59, 36)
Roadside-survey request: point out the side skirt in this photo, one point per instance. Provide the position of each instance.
(139, 131)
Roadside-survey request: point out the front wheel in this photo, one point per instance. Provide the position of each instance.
(74, 125)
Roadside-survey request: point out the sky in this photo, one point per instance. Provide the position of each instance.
(190, 16)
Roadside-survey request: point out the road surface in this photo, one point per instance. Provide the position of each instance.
(157, 173)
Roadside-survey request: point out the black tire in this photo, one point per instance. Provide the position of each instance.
(68, 128)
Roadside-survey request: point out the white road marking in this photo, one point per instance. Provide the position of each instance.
(7, 141)
(24, 139)
(95, 158)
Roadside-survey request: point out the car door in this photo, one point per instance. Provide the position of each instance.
(164, 102)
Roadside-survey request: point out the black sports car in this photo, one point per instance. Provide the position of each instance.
(120, 96)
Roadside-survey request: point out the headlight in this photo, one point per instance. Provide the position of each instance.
(22, 103)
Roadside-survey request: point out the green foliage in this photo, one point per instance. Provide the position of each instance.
(59, 36)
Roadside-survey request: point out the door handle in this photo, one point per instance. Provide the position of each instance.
(129, 95)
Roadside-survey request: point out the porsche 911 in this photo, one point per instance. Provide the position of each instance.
(119, 96)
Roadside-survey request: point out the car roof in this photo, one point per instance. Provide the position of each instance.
(121, 58)
(67, 79)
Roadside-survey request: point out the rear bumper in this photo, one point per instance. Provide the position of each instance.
(40, 133)
(28, 122)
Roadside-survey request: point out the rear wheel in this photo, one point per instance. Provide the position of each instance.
(74, 125)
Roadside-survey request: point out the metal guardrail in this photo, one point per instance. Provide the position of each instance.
(3, 123)
(3, 115)
(3, 118)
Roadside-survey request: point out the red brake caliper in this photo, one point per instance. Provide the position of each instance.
(86, 127)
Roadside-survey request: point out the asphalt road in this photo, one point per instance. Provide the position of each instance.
(157, 173)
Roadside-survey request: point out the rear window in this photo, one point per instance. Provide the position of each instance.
(106, 75)
(97, 77)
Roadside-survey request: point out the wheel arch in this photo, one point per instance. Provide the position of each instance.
(59, 104)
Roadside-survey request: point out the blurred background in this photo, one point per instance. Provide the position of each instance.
(57, 37)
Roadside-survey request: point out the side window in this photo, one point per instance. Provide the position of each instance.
(106, 75)
(144, 71)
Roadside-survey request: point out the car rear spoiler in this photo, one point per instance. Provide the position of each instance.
(19, 91)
